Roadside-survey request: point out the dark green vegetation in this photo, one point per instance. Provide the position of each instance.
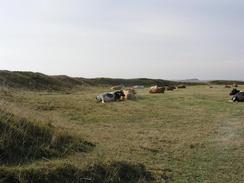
(184, 136)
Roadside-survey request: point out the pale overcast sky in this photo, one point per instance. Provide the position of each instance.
(168, 39)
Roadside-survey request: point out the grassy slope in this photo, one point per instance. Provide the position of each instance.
(22, 140)
(191, 135)
(39, 81)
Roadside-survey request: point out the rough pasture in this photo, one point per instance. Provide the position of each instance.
(191, 135)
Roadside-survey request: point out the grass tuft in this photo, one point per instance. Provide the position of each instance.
(22, 140)
(119, 172)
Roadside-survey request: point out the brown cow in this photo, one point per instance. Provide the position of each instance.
(181, 86)
(170, 88)
(210, 85)
(119, 87)
(227, 86)
(157, 89)
(235, 85)
(130, 94)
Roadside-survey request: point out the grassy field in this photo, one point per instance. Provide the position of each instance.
(187, 135)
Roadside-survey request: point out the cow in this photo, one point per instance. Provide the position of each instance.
(238, 96)
(130, 94)
(235, 85)
(170, 88)
(234, 91)
(181, 86)
(156, 89)
(138, 87)
(119, 87)
(110, 96)
(227, 86)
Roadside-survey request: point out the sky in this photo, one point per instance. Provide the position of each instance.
(164, 39)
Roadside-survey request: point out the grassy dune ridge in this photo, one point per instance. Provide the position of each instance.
(186, 135)
(39, 81)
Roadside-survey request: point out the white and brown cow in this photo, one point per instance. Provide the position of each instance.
(156, 89)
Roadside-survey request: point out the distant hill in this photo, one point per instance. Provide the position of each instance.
(39, 81)
(226, 82)
(130, 82)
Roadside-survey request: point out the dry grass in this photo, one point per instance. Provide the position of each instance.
(22, 140)
(188, 135)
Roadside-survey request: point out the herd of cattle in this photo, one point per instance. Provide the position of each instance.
(121, 93)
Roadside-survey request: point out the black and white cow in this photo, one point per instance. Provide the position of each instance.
(110, 96)
(238, 96)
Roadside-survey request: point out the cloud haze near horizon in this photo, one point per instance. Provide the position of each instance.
(168, 39)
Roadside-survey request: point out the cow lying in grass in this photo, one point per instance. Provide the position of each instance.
(110, 96)
(235, 85)
(156, 89)
(119, 87)
(130, 94)
(138, 87)
(238, 96)
(170, 88)
(181, 86)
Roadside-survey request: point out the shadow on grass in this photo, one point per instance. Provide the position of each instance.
(116, 172)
